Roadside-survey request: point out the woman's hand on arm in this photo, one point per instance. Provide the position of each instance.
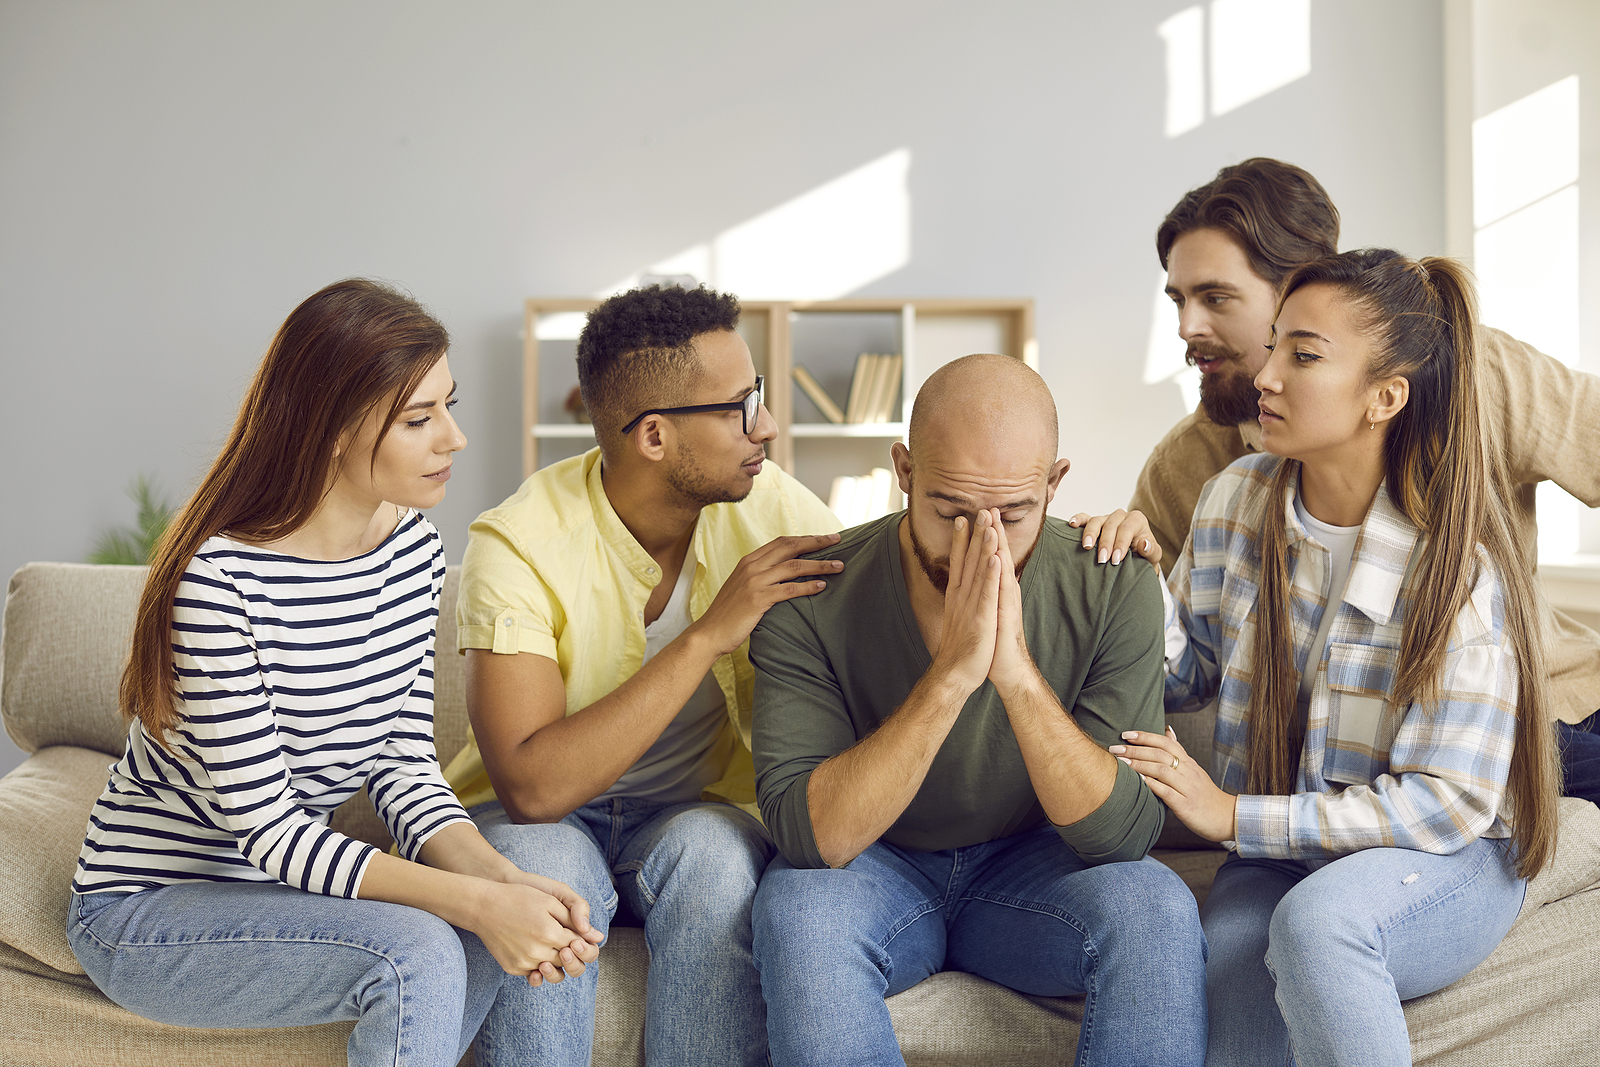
(1117, 534)
(1179, 782)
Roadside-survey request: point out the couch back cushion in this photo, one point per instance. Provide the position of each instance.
(67, 628)
(66, 633)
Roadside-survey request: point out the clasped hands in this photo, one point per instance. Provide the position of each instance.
(982, 634)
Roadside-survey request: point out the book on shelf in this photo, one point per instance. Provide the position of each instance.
(855, 406)
(887, 387)
(860, 499)
(819, 396)
(874, 388)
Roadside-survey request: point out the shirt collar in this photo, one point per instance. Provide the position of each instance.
(611, 526)
(1382, 554)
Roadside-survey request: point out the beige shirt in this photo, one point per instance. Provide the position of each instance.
(1545, 414)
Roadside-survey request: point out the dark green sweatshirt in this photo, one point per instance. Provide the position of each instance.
(831, 667)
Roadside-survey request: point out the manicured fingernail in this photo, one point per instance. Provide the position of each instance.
(1116, 750)
(1088, 542)
(1102, 556)
(1125, 759)
(1130, 734)
(1116, 558)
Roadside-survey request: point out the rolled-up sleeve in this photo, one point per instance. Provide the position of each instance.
(503, 605)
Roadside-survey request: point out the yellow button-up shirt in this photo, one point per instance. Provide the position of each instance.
(553, 571)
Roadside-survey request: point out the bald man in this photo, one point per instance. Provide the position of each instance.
(930, 741)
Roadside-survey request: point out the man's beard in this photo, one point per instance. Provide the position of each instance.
(1229, 397)
(938, 568)
(694, 487)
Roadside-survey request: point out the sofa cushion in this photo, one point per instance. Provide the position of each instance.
(67, 629)
(1576, 864)
(44, 810)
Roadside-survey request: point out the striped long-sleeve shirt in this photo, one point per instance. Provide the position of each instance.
(300, 681)
(1373, 772)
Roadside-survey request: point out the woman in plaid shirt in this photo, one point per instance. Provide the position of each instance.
(1357, 602)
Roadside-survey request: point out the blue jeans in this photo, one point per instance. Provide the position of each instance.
(1580, 759)
(687, 872)
(259, 954)
(1022, 911)
(1320, 960)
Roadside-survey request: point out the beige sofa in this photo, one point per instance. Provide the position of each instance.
(1535, 1001)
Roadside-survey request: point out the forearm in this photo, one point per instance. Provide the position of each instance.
(566, 763)
(456, 898)
(857, 795)
(1071, 774)
(461, 849)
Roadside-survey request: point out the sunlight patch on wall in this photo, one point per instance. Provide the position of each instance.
(1165, 351)
(1524, 151)
(1184, 35)
(1525, 250)
(1527, 266)
(1525, 210)
(1255, 47)
(823, 244)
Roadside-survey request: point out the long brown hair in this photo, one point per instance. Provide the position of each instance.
(1443, 471)
(337, 357)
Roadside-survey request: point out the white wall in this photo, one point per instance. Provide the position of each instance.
(176, 176)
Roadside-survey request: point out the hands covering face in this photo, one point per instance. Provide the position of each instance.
(982, 633)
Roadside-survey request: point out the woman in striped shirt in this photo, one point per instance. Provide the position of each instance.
(282, 658)
(1356, 600)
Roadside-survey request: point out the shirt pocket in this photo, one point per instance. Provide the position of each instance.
(1361, 725)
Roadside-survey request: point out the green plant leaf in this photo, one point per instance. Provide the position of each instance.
(132, 546)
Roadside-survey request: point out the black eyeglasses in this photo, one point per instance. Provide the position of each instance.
(750, 405)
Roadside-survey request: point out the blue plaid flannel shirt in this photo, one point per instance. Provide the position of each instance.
(1372, 773)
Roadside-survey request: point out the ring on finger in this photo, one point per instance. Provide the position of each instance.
(1175, 762)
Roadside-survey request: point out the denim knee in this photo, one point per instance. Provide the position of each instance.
(1145, 900)
(554, 850)
(710, 858)
(798, 907)
(425, 953)
(1309, 924)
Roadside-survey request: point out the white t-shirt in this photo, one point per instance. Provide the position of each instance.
(686, 758)
(1340, 541)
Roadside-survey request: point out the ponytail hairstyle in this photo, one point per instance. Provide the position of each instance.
(352, 349)
(1447, 476)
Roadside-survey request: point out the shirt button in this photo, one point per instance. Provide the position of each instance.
(508, 623)
(650, 570)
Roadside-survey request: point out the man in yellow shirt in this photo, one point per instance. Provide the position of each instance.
(605, 611)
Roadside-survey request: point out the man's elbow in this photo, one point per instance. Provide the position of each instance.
(526, 803)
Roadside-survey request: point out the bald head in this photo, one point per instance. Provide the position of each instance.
(993, 402)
